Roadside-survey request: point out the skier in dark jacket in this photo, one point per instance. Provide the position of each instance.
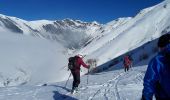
(157, 77)
(76, 71)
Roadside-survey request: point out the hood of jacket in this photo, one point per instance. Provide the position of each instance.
(166, 52)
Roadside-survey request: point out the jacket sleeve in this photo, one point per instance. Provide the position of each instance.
(82, 63)
(151, 77)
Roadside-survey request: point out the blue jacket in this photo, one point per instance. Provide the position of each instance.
(157, 77)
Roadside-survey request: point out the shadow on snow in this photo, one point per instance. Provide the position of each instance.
(149, 48)
(58, 96)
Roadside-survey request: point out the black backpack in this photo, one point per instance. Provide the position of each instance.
(72, 63)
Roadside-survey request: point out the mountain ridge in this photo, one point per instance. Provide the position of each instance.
(57, 30)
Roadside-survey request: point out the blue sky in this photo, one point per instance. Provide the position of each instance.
(102, 11)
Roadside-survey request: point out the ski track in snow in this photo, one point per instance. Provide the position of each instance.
(109, 85)
(109, 90)
(115, 85)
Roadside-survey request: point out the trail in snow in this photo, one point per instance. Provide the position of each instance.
(111, 85)
(122, 86)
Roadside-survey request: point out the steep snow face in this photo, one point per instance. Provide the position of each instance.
(113, 25)
(148, 25)
(30, 60)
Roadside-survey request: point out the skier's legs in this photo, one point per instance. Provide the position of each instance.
(77, 79)
(74, 79)
(127, 68)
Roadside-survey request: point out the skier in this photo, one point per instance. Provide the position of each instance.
(157, 77)
(76, 71)
(126, 63)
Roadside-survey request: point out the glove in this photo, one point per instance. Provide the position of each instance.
(88, 67)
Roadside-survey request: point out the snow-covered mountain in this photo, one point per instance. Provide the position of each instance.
(148, 25)
(68, 32)
(72, 34)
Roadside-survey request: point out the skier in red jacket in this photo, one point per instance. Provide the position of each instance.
(127, 63)
(76, 71)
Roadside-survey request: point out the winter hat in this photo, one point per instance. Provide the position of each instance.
(164, 40)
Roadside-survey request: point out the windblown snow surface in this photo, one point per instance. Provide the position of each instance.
(108, 85)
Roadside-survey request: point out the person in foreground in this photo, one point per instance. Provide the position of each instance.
(157, 77)
(76, 63)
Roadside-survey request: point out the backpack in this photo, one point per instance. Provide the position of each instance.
(72, 63)
(126, 60)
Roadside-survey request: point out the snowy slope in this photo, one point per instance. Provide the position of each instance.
(30, 60)
(110, 85)
(146, 26)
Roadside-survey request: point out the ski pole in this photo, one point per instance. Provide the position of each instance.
(67, 80)
(88, 77)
